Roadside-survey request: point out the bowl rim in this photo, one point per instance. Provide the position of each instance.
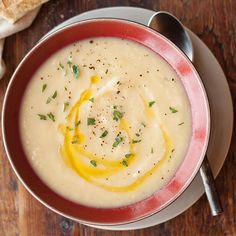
(150, 31)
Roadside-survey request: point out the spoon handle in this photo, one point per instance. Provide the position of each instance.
(210, 189)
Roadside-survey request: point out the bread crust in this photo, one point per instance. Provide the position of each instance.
(12, 10)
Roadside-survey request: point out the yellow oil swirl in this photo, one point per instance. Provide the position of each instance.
(77, 158)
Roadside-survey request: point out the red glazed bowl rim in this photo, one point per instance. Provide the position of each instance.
(103, 28)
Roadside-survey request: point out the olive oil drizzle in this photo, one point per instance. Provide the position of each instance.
(79, 159)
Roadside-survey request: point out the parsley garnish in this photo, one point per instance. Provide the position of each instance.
(117, 114)
(152, 151)
(48, 100)
(181, 123)
(65, 106)
(129, 155)
(75, 69)
(75, 139)
(151, 103)
(91, 121)
(77, 123)
(51, 116)
(42, 117)
(68, 128)
(91, 99)
(124, 163)
(44, 87)
(173, 110)
(106, 71)
(94, 163)
(69, 63)
(61, 65)
(118, 140)
(143, 124)
(54, 95)
(104, 134)
(136, 141)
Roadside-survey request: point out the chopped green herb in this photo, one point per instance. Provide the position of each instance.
(143, 124)
(65, 106)
(173, 110)
(104, 134)
(117, 115)
(75, 69)
(74, 141)
(68, 128)
(114, 107)
(124, 163)
(91, 99)
(77, 123)
(54, 95)
(136, 141)
(118, 140)
(51, 116)
(44, 87)
(48, 100)
(181, 123)
(61, 65)
(42, 117)
(106, 71)
(91, 121)
(69, 63)
(137, 134)
(129, 155)
(94, 163)
(65, 88)
(152, 151)
(151, 103)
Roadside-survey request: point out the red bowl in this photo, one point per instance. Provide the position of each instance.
(112, 28)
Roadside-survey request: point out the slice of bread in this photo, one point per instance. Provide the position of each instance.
(12, 10)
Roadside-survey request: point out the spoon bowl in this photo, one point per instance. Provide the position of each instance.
(169, 26)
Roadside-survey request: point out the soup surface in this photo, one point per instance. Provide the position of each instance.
(105, 122)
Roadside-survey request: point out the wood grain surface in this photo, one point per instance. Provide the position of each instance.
(214, 21)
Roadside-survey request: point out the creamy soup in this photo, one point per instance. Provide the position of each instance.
(105, 122)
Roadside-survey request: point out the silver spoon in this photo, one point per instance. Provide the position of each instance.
(169, 26)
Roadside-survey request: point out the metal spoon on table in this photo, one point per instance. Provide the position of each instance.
(169, 26)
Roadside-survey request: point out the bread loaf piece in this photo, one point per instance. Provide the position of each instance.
(12, 10)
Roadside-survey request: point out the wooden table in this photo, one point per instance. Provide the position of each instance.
(214, 21)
